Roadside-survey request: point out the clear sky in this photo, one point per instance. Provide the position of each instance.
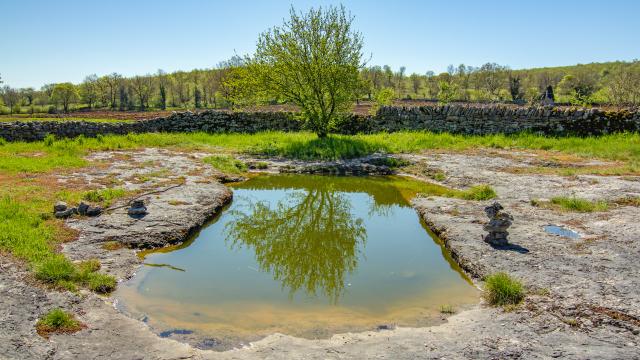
(53, 41)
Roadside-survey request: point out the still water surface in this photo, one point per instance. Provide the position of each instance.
(302, 255)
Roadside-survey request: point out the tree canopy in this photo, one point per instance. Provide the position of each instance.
(312, 60)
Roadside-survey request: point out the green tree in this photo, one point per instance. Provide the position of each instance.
(383, 97)
(65, 94)
(11, 97)
(312, 60)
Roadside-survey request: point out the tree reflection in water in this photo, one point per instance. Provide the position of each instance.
(309, 241)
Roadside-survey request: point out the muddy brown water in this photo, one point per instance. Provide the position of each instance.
(302, 255)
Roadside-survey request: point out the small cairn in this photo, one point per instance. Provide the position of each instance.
(137, 208)
(497, 226)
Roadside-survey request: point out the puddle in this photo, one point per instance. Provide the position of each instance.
(302, 255)
(561, 231)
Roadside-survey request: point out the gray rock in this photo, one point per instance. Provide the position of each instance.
(60, 206)
(94, 210)
(82, 208)
(66, 213)
(137, 208)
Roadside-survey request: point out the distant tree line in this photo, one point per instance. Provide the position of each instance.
(615, 83)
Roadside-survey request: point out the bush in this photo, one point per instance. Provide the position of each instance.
(501, 289)
(57, 321)
(55, 269)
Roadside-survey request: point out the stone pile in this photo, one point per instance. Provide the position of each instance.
(62, 211)
(497, 226)
(137, 208)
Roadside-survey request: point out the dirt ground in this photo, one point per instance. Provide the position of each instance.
(583, 293)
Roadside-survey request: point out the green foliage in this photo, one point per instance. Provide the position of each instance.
(55, 269)
(57, 321)
(101, 283)
(447, 92)
(313, 61)
(502, 289)
(383, 97)
(328, 148)
(65, 94)
(226, 164)
(579, 205)
(479, 192)
(104, 196)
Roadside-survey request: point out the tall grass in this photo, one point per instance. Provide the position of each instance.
(502, 289)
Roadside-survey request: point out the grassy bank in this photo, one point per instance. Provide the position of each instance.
(52, 154)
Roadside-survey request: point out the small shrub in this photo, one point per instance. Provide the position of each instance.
(579, 205)
(480, 192)
(57, 321)
(501, 289)
(55, 269)
(101, 283)
(261, 165)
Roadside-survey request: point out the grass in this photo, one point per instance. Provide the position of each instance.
(57, 321)
(579, 205)
(447, 309)
(104, 196)
(226, 164)
(501, 289)
(478, 192)
(44, 156)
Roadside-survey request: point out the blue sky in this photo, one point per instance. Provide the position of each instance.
(55, 41)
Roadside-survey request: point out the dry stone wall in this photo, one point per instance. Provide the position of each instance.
(460, 119)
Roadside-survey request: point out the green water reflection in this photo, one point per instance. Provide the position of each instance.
(309, 239)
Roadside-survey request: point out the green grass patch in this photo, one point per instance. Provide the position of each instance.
(104, 196)
(55, 269)
(226, 164)
(579, 205)
(101, 283)
(478, 192)
(57, 321)
(501, 289)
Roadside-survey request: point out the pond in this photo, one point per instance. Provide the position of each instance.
(302, 255)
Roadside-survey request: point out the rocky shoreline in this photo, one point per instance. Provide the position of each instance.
(582, 303)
